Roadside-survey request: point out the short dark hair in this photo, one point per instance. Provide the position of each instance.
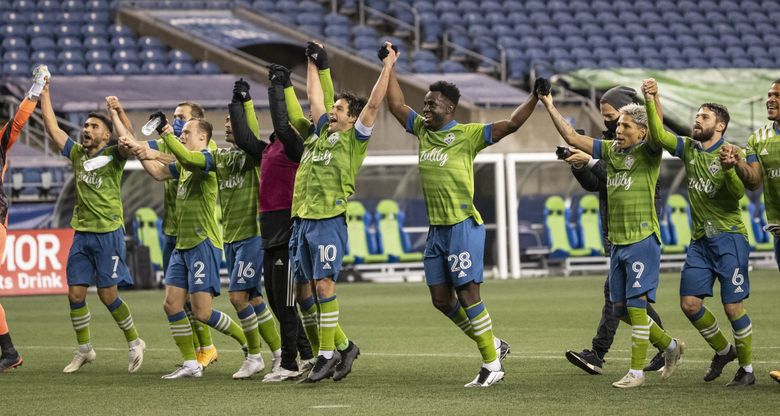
(103, 118)
(196, 110)
(354, 102)
(203, 126)
(721, 113)
(446, 89)
(777, 81)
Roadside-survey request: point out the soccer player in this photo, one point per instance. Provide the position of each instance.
(633, 166)
(194, 266)
(98, 249)
(185, 111)
(278, 164)
(761, 163)
(455, 244)
(9, 357)
(592, 176)
(334, 158)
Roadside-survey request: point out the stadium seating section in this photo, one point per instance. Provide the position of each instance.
(79, 38)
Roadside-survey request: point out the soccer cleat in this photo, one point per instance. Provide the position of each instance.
(656, 364)
(8, 363)
(775, 375)
(673, 359)
(282, 374)
(207, 356)
(348, 356)
(629, 381)
(135, 356)
(250, 367)
(503, 349)
(276, 364)
(587, 360)
(185, 371)
(742, 378)
(718, 362)
(79, 359)
(486, 378)
(323, 368)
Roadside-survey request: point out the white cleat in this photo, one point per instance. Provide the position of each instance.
(250, 367)
(629, 381)
(185, 371)
(136, 356)
(673, 359)
(276, 364)
(79, 359)
(486, 378)
(281, 374)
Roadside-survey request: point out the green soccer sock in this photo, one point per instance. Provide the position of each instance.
(267, 326)
(79, 317)
(310, 324)
(640, 337)
(195, 324)
(482, 326)
(458, 316)
(121, 313)
(708, 327)
(340, 339)
(249, 325)
(222, 323)
(329, 321)
(743, 338)
(182, 334)
(658, 336)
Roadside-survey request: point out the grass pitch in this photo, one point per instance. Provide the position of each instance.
(414, 360)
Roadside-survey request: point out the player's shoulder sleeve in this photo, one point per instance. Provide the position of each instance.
(480, 135)
(322, 123)
(71, 149)
(602, 149)
(414, 123)
(210, 163)
(681, 150)
(117, 157)
(362, 132)
(174, 168)
(751, 149)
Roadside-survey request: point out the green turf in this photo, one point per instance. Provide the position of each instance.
(414, 360)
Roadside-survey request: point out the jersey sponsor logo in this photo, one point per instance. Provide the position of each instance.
(235, 181)
(703, 185)
(620, 180)
(449, 138)
(90, 178)
(773, 173)
(436, 155)
(714, 167)
(333, 139)
(323, 157)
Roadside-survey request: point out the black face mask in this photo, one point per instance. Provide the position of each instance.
(611, 127)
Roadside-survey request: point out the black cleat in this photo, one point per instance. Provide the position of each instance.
(348, 356)
(8, 363)
(742, 378)
(503, 350)
(657, 363)
(587, 360)
(323, 368)
(720, 361)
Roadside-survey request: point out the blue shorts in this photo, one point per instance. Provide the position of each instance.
(454, 254)
(195, 269)
(634, 270)
(295, 259)
(245, 265)
(724, 257)
(321, 247)
(98, 258)
(169, 244)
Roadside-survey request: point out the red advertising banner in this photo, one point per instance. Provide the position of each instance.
(34, 262)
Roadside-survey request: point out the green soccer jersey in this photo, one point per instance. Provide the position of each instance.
(446, 162)
(301, 177)
(763, 146)
(98, 206)
(631, 177)
(238, 189)
(196, 206)
(330, 163)
(170, 188)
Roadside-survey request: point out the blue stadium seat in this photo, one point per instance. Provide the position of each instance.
(588, 63)
(715, 52)
(452, 67)
(97, 18)
(152, 55)
(16, 56)
(13, 43)
(648, 53)
(670, 52)
(23, 5)
(149, 42)
(93, 29)
(100, 68)
(575, 42)
(764, 62)
(749, 39)
(599, 53)
(630, 63)
(425, 67)
(337, 19)
(98, 5)
(127, 68)
(36, 30)
(72, 68)
(123, 42)
(124, 55)
(71, 18)
(70, 56)
(558, 53)
(73, 5)
(422, 55)
(154, 68)
(663, 39)
(757, 51)
(96, 42)
(15, 18)
(686, 40)
(624, 52)
(41, 43)
(119, 30)
(650, 17)
(42, 17)
(642, 40)
(736, 52)
(599, 40)
(69, 43)
(98, 55)
(45, 55)
(564, 65)
(48, 5)
(693, 52)
(207, 68)
(66, 30)
(16, 68)
(364, 42)
(177, 55)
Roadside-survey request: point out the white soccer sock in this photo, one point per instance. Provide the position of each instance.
(496, 342)
(494, 365)
(190, 364)
(637, 373)
(672, 346)
(85, 347)
(277, 353)
(327, 354)
(748, 368)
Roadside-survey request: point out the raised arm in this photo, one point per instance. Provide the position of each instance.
(245, 139)
(568, 133)
(748, 169)
(10, 131)
(367, 117)
(285, 133)
(656, 136)
(314, 92)
(112, 102)
(395, 99)
(119, 129)
(187, 158)
(504, 128)
(57, 135)
(148, 157)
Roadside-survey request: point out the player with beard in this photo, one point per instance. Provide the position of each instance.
(719, 248)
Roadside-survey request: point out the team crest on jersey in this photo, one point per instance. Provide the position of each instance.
(333, 138)
(629, 161)
(449, 138)
(714, 167)
(764, 152)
